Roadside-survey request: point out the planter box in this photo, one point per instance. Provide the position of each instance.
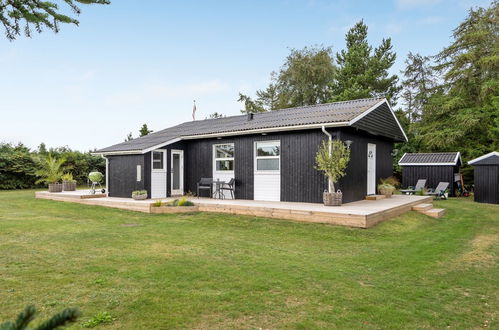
(55, 187)
(68, 186)
(332, 199)
(174, 209)
(139, 197)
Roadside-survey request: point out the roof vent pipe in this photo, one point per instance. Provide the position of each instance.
(250, 116)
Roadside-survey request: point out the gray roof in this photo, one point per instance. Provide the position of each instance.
(492, 158)
(330, 113)
(434, 158)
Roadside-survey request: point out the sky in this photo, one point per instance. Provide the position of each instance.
(145, 61)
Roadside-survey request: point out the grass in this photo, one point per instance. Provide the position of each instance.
(128, 270)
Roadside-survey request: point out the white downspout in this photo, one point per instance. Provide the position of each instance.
(330, 137)
(107, 174)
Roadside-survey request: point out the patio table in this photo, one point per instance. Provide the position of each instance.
(218, 183)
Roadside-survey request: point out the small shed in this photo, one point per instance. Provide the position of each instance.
(435, 167)
(486, 172)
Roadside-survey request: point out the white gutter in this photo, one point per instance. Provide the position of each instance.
(330, 137)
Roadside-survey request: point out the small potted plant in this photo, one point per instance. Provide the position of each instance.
(139, 194)
(386, 189)
(51, 173)
(68, 183)
(332, 159)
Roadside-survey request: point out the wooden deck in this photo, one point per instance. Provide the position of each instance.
(362, 214)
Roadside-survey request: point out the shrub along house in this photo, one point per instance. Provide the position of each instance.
(270, 155)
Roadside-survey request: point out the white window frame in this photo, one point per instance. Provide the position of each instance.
(215, 159)
(256, 157)
(164, 161)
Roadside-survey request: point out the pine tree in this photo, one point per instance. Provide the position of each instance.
(144, 130)
(418, 85)
(24, 15)
(464, 112)
(67, 316)
(363, 72)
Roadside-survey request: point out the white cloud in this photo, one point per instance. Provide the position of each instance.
(393, 28)
(410, 4)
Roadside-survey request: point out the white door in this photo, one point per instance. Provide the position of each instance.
(371, 169)
(267, 171)
(158, 174)
(177, 170)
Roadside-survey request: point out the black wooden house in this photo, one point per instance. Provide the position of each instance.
(433, 167)
(270, 155)
(486, 177)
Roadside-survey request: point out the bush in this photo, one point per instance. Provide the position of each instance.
(184, 202)
(391, 180)
(157, 203)
(139, 192)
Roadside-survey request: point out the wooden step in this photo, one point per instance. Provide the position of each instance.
(422, 207)
(435, 213)
(375, 197)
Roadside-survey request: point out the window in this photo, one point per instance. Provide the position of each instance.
(158, 160)
(224, 157)
(268, 155)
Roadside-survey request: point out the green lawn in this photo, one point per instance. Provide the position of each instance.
(222, 271)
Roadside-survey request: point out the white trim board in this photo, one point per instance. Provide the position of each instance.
(490, 154)
(458, 157)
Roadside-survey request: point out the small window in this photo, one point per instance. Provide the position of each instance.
(158, 160)
(268, 155)
(224, 157)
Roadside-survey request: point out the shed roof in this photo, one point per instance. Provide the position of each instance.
(348, 113)
(492, 158)
(428, 159)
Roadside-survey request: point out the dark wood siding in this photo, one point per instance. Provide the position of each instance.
(381, 122)
(123, 175)
(487, 184)
(354, 183)
(432, 174)
(300, 181)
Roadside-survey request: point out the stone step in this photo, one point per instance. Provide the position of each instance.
(375, 197)
(435, 213)
(422, 207)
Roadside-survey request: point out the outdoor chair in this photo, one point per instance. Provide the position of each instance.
(439, 191)
(229, 186)
(419, 185)
(205, 184)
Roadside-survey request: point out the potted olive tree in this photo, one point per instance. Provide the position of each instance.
(68, 183)
(332, 159)
(51, 172)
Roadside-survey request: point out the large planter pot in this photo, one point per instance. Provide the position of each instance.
(332, 199)
(387, 192)
(55, 187)
(68, 185)
(139, 197)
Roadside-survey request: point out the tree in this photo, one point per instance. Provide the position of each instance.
(67, 316)
(42, 149)
(463, 113)
(418, 85)
(332, 159)
(144, 130)
(216, 115)
(51, 170)
(304, 79)
(24, 15)
(363, 72)
(129, 137)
